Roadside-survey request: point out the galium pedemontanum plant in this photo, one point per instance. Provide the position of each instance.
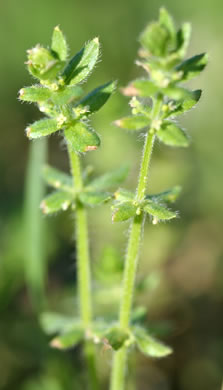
(157, 100)
(58, 95)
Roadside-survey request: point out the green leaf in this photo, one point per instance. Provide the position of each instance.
(57, 179)
(69, 339)
(35, 94)
(42, 128)
(140, 87)
(183, 40)
(172, 135)
(187, 104)
(59, 45)
(123, 195)
(66, 95)
(54, 322)
(123, 211)
(116, 337)
(81, 65)
(109, 180)
(81, 138)
(56, 201)
(158, 211)
(149, 345)
(166, 21)
(168, 196)
(94, 198)
(193, 66)
(177, 93)
(155, 39)
(136, 122)
(97, 98)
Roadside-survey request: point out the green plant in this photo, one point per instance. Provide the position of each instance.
(58, 95)
(156, 102)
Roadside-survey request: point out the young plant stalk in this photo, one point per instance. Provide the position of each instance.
(83, 269)
(137, 227)
(131, 261)
(58, 95)
(162, 52)
(81, 233)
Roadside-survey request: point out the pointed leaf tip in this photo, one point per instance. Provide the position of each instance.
(59, 45)
(69, 338)
(96, 40)
(158, 211)
(42, 128)
(193, 66)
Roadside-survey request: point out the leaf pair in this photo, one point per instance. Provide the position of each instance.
(147, 344)
(167, 131)
(94, 192)
(71, 332)
(127, 207)
(80, 136)
(146, 88)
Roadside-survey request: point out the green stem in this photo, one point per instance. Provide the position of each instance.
(131, 262)
(83, 269)
(34, 256)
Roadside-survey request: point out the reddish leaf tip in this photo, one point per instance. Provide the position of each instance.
(129, 91)
(28, 131)
(55, 343)
(90, 147)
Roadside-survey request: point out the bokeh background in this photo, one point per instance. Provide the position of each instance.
(180, 280)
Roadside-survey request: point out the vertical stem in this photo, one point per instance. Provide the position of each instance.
(131, 262)
(143, 175)
(83, 268)
(34, 256)
(130, 271)
(135, 238)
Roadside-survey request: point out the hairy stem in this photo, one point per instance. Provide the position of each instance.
(83, 269)
(131, 262)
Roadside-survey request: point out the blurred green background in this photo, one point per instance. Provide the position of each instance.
(183, 292)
